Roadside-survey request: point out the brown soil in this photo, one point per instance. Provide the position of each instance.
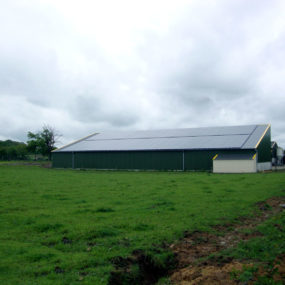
(210, 274)
(198, 245)
(222, 274)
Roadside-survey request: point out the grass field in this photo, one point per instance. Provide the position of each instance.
(66, 226)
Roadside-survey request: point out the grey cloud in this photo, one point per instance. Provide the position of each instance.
(204, 64)
(90, 109)
(34, 77)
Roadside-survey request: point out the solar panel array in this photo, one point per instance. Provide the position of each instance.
(235, 137)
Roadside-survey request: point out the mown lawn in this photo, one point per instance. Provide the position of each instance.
(66, 226)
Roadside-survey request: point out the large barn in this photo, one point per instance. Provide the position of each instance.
(219, 149)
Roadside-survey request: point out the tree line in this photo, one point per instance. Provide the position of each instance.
(11, 150)
(39, 145)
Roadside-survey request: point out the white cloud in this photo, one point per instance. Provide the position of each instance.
(99, 65)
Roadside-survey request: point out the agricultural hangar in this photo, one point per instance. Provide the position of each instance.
(221, 149)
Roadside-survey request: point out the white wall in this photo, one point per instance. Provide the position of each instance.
(234, 166)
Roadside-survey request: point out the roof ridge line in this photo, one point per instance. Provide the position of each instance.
(168, 137)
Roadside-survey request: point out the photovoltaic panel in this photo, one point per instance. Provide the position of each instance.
(194, 132)
(236, 137)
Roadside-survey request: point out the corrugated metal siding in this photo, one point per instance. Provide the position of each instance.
(203, 160)
(199, 160)
(62, 159)
(264, 148)
(148, 160)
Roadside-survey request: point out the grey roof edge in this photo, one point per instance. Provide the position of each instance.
(256, 136)
(267, 128)
(74, 142)
(155, 149)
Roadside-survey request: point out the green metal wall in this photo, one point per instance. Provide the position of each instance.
(264, 148)
(62, 159)
(157, 160)
(160, 160)
(203, 159)
(200, 160)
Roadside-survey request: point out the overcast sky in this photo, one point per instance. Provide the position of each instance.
(87, 66)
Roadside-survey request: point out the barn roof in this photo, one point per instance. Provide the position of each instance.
(230, 137)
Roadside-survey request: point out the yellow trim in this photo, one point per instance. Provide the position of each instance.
(254, 157)
(262, 136)
(215, 157)
(74, 142)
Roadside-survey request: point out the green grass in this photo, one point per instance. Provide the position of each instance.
(263, 252)
(267, 247)
(66, 227)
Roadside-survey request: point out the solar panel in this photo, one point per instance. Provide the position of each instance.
(193, 132)
(159, 143)
(236, 137)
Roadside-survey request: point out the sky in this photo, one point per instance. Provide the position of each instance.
(92, 66)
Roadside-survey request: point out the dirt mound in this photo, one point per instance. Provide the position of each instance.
(227, 274)
(197, 245)
(209, 274)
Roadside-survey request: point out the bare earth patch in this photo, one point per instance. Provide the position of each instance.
(222, 274)
(210, 274)
(197, 245)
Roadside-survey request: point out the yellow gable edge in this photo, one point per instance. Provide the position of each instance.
(74, 142)
(269, 125)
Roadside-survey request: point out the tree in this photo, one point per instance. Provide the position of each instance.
(12, 153)
(3, 153)
(21, 151)
(43, 142)
(33, 144)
